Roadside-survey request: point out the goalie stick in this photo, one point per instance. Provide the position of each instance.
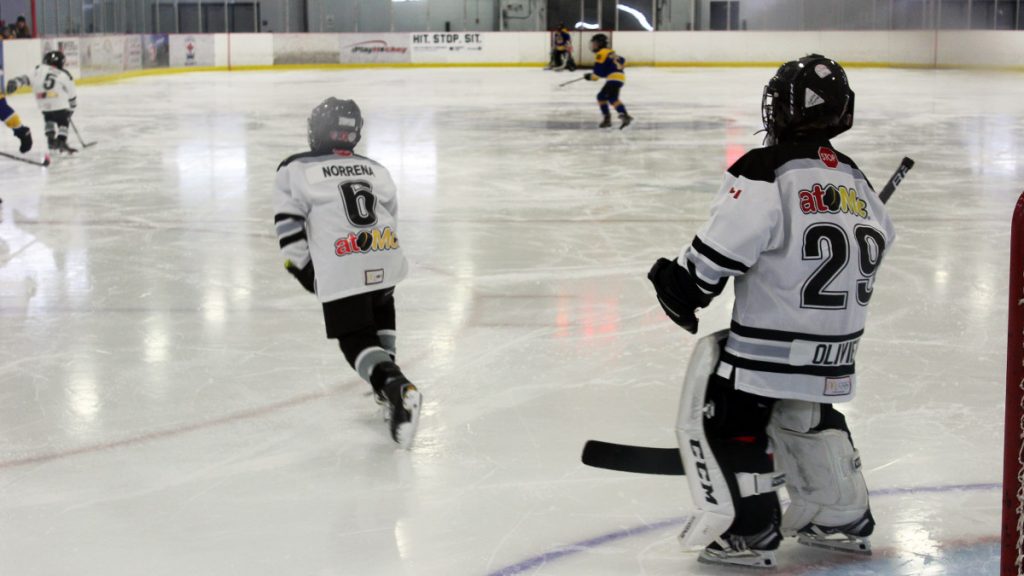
(896, 179)
(667, 461)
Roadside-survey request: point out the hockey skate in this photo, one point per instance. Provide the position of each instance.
(63, 148)
(757, 551)
(404, 402)
(626, 120)
(852, 537)
(400, 402)
(606, 123)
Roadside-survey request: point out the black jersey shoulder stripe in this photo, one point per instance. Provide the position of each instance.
(761, 366)
(294, 157)
(285, 216)
(300, 235)
(370, 160)
(761, 163)
(757, 164)
(784, 336)
(719, 259)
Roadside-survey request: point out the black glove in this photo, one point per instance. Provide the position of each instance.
(305, 275)
(678, 294)
(588, 76)
(12, 86)
(25, 135)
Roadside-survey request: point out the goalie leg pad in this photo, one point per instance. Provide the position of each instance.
(723, 443)
(708, 486)
(823, 469)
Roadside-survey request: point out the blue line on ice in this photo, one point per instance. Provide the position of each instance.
(590, 543)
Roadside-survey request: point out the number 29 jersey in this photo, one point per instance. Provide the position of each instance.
(803, 233)
(341, 211)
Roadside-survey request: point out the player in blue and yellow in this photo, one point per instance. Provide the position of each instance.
(13, 121)
(561, 50)
(611, 67)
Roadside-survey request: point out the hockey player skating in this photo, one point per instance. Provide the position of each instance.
(56, 97)
(561, 50)
(13, 121)
(611, 67)
(336, 219)
(803, 233)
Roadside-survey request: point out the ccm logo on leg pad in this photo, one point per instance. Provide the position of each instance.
(702, 472)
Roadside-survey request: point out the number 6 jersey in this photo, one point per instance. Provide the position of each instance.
(803, 232)
(341, 210)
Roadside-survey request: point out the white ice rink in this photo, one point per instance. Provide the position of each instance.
(169, 404)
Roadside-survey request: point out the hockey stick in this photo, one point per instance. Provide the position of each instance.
(572, 81)
(638, 459)
(667, 461)
(896, 179)
(44, 163)
(80, 140)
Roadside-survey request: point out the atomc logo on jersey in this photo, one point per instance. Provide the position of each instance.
(374, 240)
(832, 199)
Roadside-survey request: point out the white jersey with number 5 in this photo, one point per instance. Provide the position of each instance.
(54, 88)
(341, 211)
(803, 233)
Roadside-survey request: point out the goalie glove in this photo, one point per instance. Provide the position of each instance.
(678, 294)
(305, 275)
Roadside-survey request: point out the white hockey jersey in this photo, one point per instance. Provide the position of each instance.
(54, 88)
(803, 232)
(341, 210)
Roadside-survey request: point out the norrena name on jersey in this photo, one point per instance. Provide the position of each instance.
(371, 241)
(336, 171)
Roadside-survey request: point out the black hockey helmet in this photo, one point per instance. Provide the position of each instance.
(335, 125)
(809, 96)
(54, 58)
(598, 42)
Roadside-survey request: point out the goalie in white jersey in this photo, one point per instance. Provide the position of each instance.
(800, 229)
(336, 215)
(56, 97)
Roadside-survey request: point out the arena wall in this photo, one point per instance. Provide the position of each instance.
(103, 58)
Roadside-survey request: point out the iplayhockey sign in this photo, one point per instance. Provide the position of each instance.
(359, 48)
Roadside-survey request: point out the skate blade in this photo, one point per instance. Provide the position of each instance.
(849, 546)
(751, 560)
(406, 431)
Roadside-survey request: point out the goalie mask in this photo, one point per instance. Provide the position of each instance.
(335, 125)
(807, 97)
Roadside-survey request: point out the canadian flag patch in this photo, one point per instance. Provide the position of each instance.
(828, 156)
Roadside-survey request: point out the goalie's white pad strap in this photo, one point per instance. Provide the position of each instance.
(822, 469)
(708, 487)
(754, 484)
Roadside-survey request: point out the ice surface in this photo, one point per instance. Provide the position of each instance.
(169, 404)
